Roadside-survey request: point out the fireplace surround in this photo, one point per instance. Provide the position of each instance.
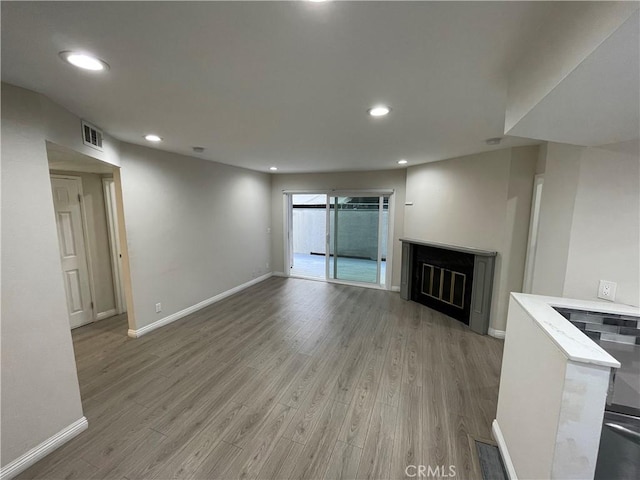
(454, 280)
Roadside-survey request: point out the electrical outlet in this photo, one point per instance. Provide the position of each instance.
(267, 265)
(158, 307)
(607, 290)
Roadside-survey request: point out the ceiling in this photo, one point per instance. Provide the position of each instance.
(598, 103)
(281, 83)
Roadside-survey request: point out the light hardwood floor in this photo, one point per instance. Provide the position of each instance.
(288, 379)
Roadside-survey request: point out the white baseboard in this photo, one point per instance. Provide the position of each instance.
(279, 274)
(194, 308)
(23, 462)
(395, 288)
(109, 313)
(496, 333)
(504, 453)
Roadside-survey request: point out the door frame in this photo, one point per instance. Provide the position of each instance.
(87, 247)
(114, 243)
(532, 241)
(288, 233)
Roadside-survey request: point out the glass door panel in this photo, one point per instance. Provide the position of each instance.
(354, 238)
(384, 235)
(308, 221)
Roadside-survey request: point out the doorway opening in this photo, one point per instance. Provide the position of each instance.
(339, 236)
(86, 197)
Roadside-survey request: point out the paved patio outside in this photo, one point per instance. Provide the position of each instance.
(349, 269)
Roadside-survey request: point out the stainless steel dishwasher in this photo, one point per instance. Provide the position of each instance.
(619, 453)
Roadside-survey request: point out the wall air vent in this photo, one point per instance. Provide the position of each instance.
(91, 136)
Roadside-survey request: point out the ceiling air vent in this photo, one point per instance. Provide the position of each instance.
(91, 136)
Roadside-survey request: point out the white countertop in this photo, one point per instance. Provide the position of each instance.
(575, 345)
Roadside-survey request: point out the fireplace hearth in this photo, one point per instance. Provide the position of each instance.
(454, 280)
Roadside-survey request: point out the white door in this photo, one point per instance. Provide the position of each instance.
(66, 202)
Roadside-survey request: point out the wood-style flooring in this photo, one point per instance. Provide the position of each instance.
(289, 379)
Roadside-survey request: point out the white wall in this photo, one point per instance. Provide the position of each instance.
(548, 426)
(387, 179)
(589, 222)
(562, 165)
(537, 409)
(605, 229)
(195, 228)
(480, 201)
(309, 230)
(40, 394)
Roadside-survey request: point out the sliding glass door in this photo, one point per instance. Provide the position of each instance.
(357, 238)
(354, 228)
(308, 235)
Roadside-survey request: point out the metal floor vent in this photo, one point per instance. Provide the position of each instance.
(91, 136)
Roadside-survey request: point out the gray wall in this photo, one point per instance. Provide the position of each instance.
(195, 228)
(522, 171)
(40, 394)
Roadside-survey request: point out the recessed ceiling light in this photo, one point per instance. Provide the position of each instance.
(273, 169)
(379, 111)
(84, 61)
(402, 162)
(152, 138)
(493, 141)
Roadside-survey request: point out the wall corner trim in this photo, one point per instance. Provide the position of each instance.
(40, 451)
(194, 308)
(502, 447)
(496, 333)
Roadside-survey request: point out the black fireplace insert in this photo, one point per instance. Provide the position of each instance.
(442, 280)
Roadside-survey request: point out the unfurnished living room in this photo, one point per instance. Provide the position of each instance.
(320, 240)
